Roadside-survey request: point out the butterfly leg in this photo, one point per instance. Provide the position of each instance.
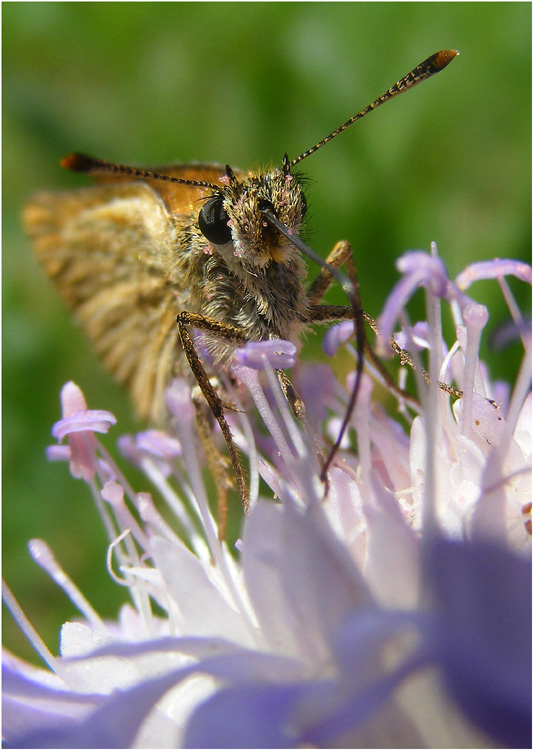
(216, 404)
(342, 253)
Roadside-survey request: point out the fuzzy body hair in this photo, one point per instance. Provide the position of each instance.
(128, 256)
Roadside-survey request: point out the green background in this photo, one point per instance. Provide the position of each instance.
(241, 83)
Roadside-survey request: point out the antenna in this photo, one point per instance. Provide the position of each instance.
(426, 69)
(90, 165)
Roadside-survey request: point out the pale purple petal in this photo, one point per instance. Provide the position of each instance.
(286, 572)
(159, 444)
(82, 455)
(392, 564)
(413, 338)
(203, 610)
(246, 716)
(483, 635)
(58, 453)
(508, 332)
(92, 420)
(179, 401)
(419, 269)
(278, 353)
(493, 269)
(337, 336)
(35, 708)
(261, 555)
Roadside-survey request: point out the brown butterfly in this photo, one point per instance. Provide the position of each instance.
(145, 255)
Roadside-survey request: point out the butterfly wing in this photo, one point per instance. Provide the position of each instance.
(111, 250)
(179, 199)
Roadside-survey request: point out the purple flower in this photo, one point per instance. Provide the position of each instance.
(481, 635)
(337, 336)
(391, 609)
(77, 425)
(419, 269)
(493, 269)
(278, 353)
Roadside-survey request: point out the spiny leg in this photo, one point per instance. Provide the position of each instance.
(342, 253)
(406, 359)
(331, 313)
(337, 257)
(236, 335)
(224, 331)
(292, 395)
(216, 404)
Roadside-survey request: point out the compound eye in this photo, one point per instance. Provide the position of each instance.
(213, 221)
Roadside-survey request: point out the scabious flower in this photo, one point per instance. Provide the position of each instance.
(391, 608)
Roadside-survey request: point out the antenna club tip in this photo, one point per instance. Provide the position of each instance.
(444, 58)
(76, 163)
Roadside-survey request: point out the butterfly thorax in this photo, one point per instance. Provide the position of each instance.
(255, 280)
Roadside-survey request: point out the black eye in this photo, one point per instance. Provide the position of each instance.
(213, 221)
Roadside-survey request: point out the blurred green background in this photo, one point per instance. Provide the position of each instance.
(241, 83)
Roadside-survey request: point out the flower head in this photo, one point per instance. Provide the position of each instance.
(390, 608)
(77, 425)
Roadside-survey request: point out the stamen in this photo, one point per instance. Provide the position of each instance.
(113, 493)
(109, 560)
(43, 556)
(250, 378)
(475, 317)
(179, 402)
(525, 335)
(30, 632)
(175, 504)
